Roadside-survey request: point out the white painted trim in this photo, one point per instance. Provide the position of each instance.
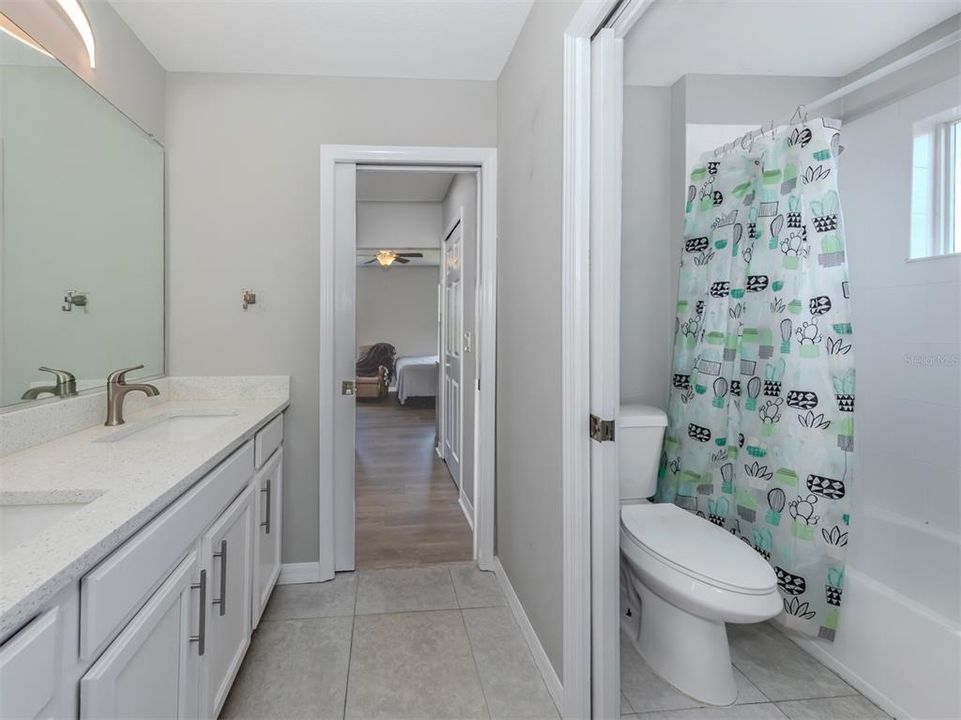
(541, 660)
(575, 341)
(299, 573)
(485, 327)
(468, 509)
(575, 378)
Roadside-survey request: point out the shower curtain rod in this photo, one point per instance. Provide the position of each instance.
(802, 111)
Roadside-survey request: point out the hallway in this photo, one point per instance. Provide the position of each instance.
(407, 510)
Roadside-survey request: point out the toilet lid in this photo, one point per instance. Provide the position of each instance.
(698, 548)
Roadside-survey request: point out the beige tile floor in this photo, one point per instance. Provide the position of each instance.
(439, 642)
(775, 680)
(424, 642)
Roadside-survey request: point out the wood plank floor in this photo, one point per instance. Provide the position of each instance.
(407, 509)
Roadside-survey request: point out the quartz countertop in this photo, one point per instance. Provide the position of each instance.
(124, 486)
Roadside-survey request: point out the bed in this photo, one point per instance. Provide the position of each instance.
(417, 377)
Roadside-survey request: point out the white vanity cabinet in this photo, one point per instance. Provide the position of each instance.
(159, 628)
(150, 669)
(268, 496)
(228, 558)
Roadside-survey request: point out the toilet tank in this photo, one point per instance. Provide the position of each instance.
(639, 432)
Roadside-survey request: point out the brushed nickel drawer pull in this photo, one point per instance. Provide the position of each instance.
(222, 600)
(201, 637)
(266, 523)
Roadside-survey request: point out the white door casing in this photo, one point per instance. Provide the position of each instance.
(337, 248)
(453, 323)
(345, 357)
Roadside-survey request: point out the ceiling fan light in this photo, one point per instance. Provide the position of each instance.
(386, 257)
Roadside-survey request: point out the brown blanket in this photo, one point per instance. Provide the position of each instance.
(376, 355)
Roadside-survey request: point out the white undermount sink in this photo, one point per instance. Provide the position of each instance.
(20, 522)
(173, 428)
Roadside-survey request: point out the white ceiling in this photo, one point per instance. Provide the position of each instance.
(819, 38)
(402, 185)
(436, 39)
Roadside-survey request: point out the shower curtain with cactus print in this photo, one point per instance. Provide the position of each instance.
(760, 437)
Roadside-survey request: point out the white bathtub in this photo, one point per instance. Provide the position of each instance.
(899, 637)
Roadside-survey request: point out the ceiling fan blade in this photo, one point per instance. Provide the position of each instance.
(411, 254)
(401, 260)
(370, 261)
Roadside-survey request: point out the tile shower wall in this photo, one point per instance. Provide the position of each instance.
(903, 584)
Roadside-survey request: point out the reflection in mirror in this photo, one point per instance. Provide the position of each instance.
(82, 243)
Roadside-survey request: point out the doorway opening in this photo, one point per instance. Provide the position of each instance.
(407, 453)
(416, 239)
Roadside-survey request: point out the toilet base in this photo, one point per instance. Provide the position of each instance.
(688, 651)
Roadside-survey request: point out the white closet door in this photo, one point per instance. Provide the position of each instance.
(453, 356)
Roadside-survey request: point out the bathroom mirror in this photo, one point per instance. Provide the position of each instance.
(81, 232)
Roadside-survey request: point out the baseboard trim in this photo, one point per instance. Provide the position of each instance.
(843, 671)
(468, 509)
(547, 671)
(298, 573)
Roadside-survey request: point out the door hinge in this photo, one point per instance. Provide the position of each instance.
(602, 430)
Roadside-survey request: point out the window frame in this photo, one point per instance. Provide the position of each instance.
(944, 236)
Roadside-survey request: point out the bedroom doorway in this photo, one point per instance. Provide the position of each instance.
(413, 271)
(406, 429)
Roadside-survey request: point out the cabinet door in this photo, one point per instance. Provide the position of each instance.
(268, 496)
(227, 556)
(150, 669)
(29, 669)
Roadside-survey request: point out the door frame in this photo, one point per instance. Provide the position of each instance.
(591, 641)
(485, 161)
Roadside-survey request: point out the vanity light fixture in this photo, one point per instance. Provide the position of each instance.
(78, 17)
(7, 26)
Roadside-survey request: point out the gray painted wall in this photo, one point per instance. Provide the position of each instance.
(647, 300)
(243, 172)
(126, 73)
(463, 194)
(529, 493)
(398, 306)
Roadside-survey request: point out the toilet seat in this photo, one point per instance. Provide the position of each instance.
(697, 548)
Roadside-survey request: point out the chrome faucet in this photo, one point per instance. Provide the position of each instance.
(117, 389)
(66, 385)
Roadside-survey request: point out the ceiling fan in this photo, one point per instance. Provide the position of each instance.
(386, 258)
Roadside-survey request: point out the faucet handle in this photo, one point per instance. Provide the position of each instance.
(119, 377)
(63, 376)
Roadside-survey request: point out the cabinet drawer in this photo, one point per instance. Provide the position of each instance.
(116, 588)
(29, 664)
(268, 440)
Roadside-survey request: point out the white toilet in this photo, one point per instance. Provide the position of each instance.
(690, 575)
